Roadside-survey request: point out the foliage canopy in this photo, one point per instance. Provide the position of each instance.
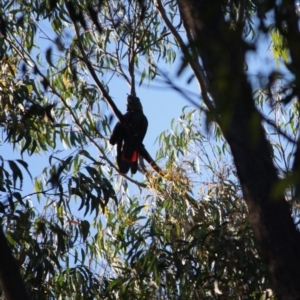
(181, 230)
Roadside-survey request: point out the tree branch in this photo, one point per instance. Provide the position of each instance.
(198, 71)
(222, 50)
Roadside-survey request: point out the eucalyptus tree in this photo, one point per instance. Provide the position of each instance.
(87, 231)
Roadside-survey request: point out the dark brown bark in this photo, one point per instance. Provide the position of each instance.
(222, 51)
(10, 279)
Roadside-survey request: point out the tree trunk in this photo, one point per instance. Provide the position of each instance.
(10, 279)
(222, 51)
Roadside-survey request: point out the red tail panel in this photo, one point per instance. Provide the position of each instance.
(133, 158)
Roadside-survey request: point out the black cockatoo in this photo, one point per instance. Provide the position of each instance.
(127, 154)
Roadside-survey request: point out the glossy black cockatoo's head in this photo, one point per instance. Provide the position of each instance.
(134, 103)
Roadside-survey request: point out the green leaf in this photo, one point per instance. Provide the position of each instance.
(16, 173)
(143, 76)
(85, 228)
(25, 165)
